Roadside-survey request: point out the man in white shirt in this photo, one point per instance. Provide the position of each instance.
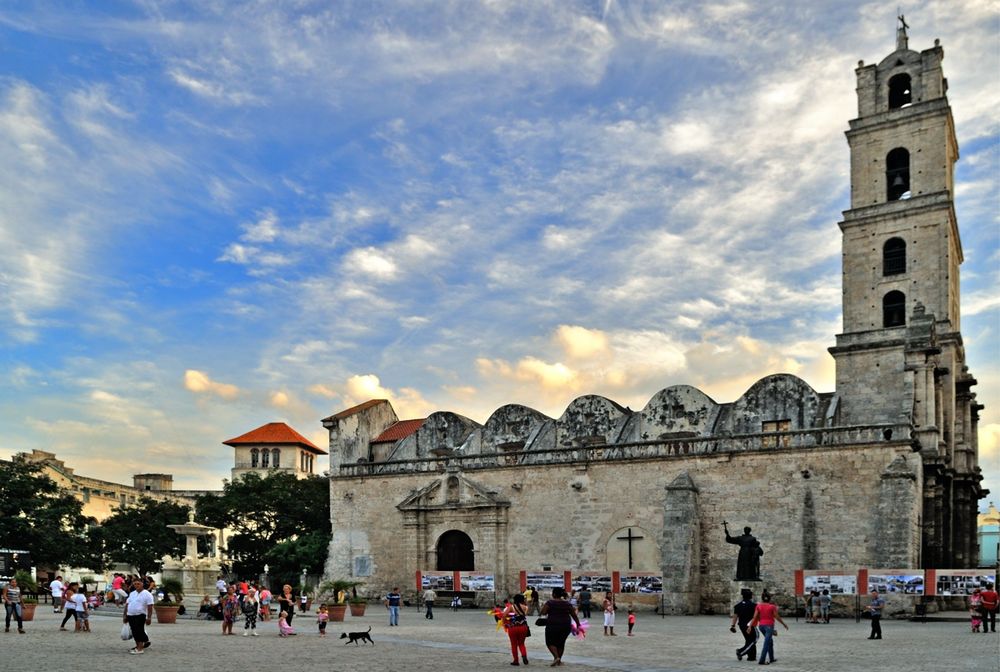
(57, 590)
(138, 614)
(221, 586)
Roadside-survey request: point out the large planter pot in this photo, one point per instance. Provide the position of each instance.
(165, 614)
(358, 608)
(28, 611)
(336, 611)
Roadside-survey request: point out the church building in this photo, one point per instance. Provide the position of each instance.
(881, 472)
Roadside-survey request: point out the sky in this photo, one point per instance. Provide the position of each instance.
(215, 215)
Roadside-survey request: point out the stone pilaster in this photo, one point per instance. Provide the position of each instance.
(681, 547)
(896, 515)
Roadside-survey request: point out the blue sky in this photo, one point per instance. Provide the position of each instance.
(216, 215)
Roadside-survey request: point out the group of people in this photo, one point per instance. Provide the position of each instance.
(818, 606)
(983, 607)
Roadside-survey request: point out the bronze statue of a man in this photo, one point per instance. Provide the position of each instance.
(748, 561)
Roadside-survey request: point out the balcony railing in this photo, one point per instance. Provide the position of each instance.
(647, 450)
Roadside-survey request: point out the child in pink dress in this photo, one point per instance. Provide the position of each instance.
(976, 610)
(631, 620)
(284, 630)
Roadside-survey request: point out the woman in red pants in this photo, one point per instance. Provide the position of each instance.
(515, 616)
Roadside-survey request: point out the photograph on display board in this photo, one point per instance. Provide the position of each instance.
(635, 582)
(962, 581)
(438, 580)
(903, 584)
(837, 584)
(483, 582)
(545, 581)
(595, 582)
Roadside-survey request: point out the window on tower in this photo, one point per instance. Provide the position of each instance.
(897, 174)
(894, 309)
(894, 257)
(900, 92)
(275, 458)
(265, 458)
(254, 457)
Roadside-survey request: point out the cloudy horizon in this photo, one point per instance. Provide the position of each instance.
(218, 216)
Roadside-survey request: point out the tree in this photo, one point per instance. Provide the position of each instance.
(36, 515)
(279, 520)
(138, 535)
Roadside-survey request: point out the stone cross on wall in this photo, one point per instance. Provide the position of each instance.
(629, 538)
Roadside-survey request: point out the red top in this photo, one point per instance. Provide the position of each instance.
(989, 599)
(765, 613)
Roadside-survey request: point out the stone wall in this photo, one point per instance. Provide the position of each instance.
(565, 516)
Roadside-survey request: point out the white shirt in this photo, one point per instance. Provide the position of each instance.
(137, 602)
(80, 602)
(56, 588)
(221, 585)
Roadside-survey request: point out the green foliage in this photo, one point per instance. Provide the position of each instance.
(330, 590)
(280, 520)
(36, 515)
(25, 582)
(138, 535)
(172, 588)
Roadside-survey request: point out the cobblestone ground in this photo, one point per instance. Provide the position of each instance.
(467, 640)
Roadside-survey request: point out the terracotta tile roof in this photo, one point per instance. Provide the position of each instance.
(399, 430)
(275, 432)
(356, 409)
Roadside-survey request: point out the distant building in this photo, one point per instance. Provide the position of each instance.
(101, 498)
(989, 537)
(274, 447)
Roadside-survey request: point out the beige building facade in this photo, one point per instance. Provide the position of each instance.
(882, 472)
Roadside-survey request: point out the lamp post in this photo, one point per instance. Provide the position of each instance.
(267, 584)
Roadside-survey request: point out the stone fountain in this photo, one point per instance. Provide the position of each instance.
(197, 575)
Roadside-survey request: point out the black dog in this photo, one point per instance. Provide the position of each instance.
(357, 637)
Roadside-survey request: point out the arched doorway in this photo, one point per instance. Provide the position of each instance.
(454, 552)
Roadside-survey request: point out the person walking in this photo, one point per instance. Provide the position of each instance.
(251, 610)
(392, 601)
(70, 606)
(117, 588)
(743, 612)
(286, 603)
(875, 610)
(560, 615)
(138, 614)
(536, 604)
(764, 616)
(991, 604)
(12, 605)
(515, 615)
(57, 590)
(429, 597)
(585, 604)
(609, 614)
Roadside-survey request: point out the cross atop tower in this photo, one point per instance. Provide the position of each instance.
(902, 42)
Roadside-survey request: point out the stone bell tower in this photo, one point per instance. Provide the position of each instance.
(901, 359)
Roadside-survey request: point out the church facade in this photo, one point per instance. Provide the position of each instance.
(880, 473)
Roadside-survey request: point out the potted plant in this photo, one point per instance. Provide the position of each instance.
(166, 609)
(334, 594)
(28, 601)
(358, 605)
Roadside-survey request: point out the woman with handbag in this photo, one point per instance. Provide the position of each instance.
(559, 615)
(516, 618)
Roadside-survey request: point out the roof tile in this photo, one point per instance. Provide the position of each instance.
(275, 432)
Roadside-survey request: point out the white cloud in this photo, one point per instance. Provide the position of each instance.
(199, 382)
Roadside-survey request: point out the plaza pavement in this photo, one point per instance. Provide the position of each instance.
(467, 640)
